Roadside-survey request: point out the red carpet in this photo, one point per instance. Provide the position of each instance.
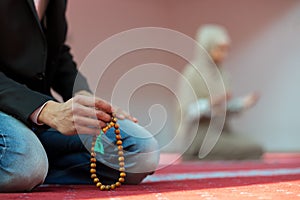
(277, 176)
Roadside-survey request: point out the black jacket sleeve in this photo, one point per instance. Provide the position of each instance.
(18, 100)
(67, 79)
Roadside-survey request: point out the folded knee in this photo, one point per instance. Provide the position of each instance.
(23, 178)
(135, 178)
(23, 166)
(146, 161)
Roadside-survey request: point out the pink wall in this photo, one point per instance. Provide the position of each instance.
(251, 25)
(95, 20)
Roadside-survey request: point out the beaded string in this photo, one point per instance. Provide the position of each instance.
(112, 124)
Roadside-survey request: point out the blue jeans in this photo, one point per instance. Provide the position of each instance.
(28, 159)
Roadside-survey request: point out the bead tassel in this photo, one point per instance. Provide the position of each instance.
(122, 175)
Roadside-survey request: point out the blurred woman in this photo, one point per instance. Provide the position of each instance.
(204, 76)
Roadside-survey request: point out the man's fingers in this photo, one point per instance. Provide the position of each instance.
(90, 101)
(102, 116)
(91, 112)
(103, 105)
(121, 114)
(88, 122)
(135, 120)
(84, 100)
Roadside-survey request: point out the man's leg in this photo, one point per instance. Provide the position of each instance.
(140, 149)
(69, 156)
(23, 160)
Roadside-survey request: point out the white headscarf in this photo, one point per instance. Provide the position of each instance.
(210, 35)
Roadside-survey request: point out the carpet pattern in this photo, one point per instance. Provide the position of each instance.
(276, 176)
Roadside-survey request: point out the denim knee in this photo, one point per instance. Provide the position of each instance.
(141, 152)
(23, 160)
(148, 158)
(146, 162)
(145, 147)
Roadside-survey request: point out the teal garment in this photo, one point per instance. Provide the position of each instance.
(99, 144)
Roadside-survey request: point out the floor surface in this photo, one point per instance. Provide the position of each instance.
(276, 176)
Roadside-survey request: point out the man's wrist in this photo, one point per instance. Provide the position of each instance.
(46, 115)
(34, 116)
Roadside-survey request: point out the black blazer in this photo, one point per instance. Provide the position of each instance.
(34, 57)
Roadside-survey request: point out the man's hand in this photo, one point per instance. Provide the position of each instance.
(81, 114)
(120, 113)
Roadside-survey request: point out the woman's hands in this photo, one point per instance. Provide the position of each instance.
(251, 99)
(242, 103)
